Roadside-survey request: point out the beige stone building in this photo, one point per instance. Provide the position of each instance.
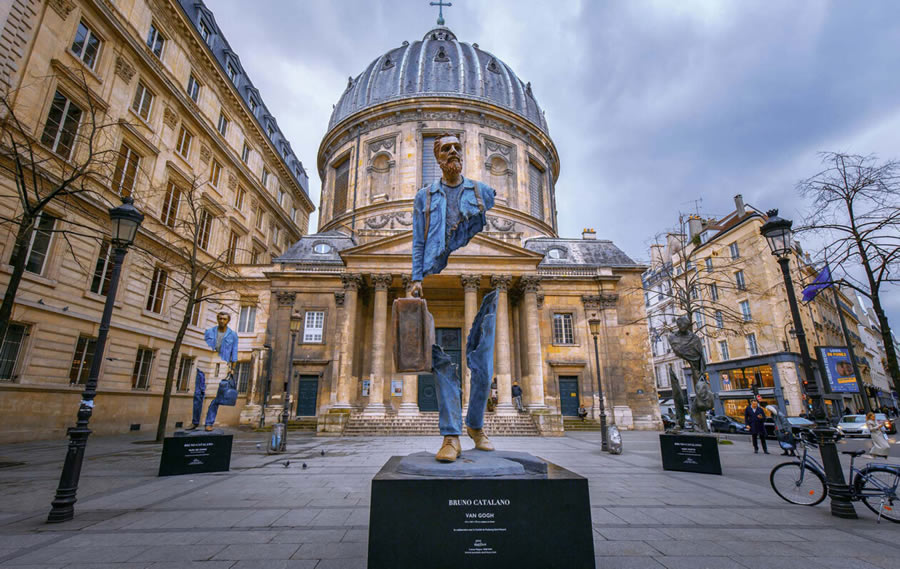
(185, 121)
(742, 312)
(337, 285)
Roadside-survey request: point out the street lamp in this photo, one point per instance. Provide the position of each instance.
(285, 412)
(777, 232)
(595, 331)
(126, 220)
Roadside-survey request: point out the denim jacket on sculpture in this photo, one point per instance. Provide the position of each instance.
(430, 253)
(229, 349)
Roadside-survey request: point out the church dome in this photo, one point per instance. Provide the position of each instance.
(438, 66)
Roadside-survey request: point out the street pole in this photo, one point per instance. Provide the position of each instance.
(63, 505)
(265, 398)
(859, 382)
(604, 445)
(285, 413)
(837, 486)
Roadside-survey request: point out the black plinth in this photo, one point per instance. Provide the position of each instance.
(534, 519)
(195, 454)
(690, 453)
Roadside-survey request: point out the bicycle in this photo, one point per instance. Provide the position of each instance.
(803, 482)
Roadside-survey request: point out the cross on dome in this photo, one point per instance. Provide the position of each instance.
(440, 4)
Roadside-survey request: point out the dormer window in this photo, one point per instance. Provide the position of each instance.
(204, 31)
(270, 130)
(556, 253)
(232, 72)
(252, 103)
(322, 248)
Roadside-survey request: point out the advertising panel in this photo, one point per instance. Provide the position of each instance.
(835, 362)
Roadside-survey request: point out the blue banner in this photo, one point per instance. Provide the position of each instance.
(823, 281)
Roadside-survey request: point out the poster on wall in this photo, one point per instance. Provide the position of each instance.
(397, 387)
(835, 363)
(365, 388)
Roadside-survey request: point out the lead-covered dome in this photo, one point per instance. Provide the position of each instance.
(439, 66)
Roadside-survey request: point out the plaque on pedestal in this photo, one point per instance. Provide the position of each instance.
(690, 453)
(487, 509)
(195, 454)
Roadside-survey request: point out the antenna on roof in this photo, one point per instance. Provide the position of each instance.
(697, 202)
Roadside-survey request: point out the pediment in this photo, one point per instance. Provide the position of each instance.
(481, 246)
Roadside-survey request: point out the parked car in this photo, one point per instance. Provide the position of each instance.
(855, 425)
(725, 424)
(797, 424)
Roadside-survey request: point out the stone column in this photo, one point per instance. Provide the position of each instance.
(501, 346)
(534, 392)
(375, 406)
(409, 402)
(351, 284)
(280, 330)
(470, 285)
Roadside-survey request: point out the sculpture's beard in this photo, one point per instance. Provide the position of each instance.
(451, 167)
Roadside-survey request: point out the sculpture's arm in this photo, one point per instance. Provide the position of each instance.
(418, 246)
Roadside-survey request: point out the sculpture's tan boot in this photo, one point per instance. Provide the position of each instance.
(482, 442)
(450, 450)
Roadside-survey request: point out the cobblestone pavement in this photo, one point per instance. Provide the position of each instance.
(267, 515)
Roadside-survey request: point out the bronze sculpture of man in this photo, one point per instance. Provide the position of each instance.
(447, 213)
(689, 347)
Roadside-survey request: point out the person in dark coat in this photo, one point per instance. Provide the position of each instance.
(755, 421)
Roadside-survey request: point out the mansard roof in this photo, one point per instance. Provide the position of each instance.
(579, 253)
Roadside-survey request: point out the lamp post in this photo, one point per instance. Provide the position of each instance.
(126, 220)
(777, 232)
(595, 331)
(285, 412)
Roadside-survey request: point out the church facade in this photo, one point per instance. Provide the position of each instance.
(331, 292)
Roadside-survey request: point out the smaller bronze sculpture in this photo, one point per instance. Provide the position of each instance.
(677, 402)
(688, 347)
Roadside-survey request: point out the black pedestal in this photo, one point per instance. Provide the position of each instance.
(690, 453)
(516, 521)
(195, 454)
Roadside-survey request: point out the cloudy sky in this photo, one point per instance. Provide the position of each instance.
(652, 104)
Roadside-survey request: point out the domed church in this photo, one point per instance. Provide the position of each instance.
(330, 313)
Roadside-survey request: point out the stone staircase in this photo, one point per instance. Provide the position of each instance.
(426, 424)
(303, 424)
(576, 424)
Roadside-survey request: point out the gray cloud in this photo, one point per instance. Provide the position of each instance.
(652, 104)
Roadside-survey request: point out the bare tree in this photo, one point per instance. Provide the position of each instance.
(65, 164)
(700, 285)
(197, 273)
(856, 210)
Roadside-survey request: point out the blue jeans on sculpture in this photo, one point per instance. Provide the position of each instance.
(198, 407)
(480, 360)
(213, 409)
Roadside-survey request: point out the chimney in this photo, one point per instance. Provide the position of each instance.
(656, 255)
(695, 226)
(589, 233)
(739, 205)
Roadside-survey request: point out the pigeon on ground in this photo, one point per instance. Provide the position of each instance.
(304, 465)
(322, 452)
(286, 463)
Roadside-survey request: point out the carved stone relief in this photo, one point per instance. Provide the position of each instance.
(394, 218)
(124, 69)
(62, 7)
(170, 119)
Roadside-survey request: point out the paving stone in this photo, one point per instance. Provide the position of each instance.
(194, 552)
(691, 547)
(631, 534)
(628, 563)
(708, 562)
(276, 564)
(603, 548)
(258, 551)
(356, 563)
(309, 536)
(331, 550)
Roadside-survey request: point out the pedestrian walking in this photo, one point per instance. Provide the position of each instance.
(881, 446)
(517, 396)
(755, 422)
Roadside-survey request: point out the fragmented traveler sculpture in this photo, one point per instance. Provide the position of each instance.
(688, 347)
(224, 341)
(446, 215)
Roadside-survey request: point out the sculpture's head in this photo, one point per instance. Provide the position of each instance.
(223, 318)
(683, 324)
(448, 152)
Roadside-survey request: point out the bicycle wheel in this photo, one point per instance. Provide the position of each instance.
(880, 479)
(804, 487)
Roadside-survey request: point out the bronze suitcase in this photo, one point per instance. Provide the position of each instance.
(413, 328)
